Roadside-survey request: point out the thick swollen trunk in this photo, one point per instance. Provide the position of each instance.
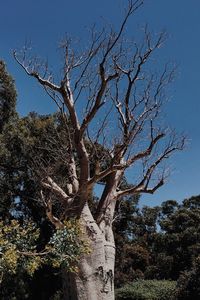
(95, 279)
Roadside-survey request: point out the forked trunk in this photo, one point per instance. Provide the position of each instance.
(95, 279)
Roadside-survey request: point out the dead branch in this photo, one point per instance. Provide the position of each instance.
(48, 208)
(114, 80)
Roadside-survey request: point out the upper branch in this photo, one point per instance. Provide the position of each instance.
(143, 185)
(133, 6)
(105, 79)
(35, 74)
(146, 152)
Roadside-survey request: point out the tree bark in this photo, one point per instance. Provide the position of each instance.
(95, 278)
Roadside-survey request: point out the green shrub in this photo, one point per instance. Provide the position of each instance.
(147, 290)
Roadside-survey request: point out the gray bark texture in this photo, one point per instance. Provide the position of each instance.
(95, 279)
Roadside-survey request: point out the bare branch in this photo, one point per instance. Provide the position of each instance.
(42, 81)
(52, 186)
(143, 185)
(146, 152)
(133, 6)
(115, 85)
(48, 208)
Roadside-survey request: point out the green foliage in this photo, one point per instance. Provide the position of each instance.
(188, 285)
(177, 245)
(15, 242)
(7, 96)
(133, 231)
(37, 137)
(8, 115)
(18, 248)
(67, 245)
(125, 230)
(157, 242)
(147, 290)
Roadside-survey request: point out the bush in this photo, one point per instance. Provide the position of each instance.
(147, 290)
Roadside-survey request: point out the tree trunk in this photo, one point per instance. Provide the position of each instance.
(95, 279)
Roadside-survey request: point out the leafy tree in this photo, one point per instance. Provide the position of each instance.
(19, 255)
(7, 96)
(188, 283)
(22, 140)
(7, 115)
(134, 234)
(159, 242)
(181, 235)
(125, 231)
(175, 244)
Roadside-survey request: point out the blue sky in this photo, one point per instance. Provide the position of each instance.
(46, 22)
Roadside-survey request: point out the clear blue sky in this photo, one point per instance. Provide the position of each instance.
(46, 22)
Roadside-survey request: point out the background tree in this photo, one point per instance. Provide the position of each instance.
(7, 115)
(7, 96)
(158, 243)
(114, 83)
(125, 231)
(188, 283)
(178, 241)
(135, 231)
(22, 140)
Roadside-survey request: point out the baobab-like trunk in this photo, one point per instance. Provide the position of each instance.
(95, 278)
(113, 77)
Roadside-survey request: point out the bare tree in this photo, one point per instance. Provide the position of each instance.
(111, 98)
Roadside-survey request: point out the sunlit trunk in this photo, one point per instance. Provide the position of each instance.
(95, 279)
